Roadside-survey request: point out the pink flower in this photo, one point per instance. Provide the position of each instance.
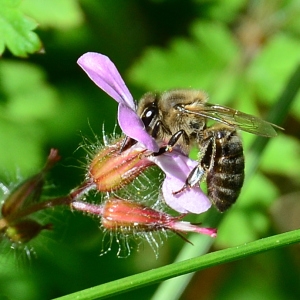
(176, 166)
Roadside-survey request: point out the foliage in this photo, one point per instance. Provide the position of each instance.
(17, 30)
(241, 52)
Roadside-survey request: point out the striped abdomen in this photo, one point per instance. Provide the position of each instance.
(226, 176)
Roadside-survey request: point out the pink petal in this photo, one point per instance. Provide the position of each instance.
(132, 125)
(191, 200)
(177, 168)
(104, 74)
(175, 164)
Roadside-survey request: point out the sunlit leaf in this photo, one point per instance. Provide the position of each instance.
(282, 156)
(28, 96)
(27, 100)
(274, 64)
(20, 148)
(196, 63)
(54, 13)
(249, 228)
(17, 30)
(225, 11)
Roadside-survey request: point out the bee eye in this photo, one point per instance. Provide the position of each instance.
(148, 115)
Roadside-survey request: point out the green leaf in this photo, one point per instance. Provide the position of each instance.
(195, 63)
(225, 11)
(54, 13)
(284, 150)
(28, 96)
(27, 101)
(21, 148)
(16, 30)
(274, 64)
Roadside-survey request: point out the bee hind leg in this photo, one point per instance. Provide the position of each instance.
(195, 176)
(198, 174)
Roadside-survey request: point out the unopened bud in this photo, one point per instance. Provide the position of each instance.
(112, 169)
(123, 215)
(28, 191)
(120, 215)
(25, 230)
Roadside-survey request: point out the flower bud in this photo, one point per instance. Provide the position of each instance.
(128, 216)
(120, 215)
(124, 215)
(25, 230)
(112, 169)
(28, 191)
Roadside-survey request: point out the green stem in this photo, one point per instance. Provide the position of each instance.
(27, 211)
(187, 266)
(33, 209)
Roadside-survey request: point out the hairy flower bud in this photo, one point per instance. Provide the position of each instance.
(124, 215)
(130, 217)
(111, 168)
(25, 230)
(126, 220)
(24, 201)
(28, 191)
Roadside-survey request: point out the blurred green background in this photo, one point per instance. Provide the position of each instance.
(241, 52)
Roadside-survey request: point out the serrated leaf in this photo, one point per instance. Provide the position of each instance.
(16, 30)
(54, 13)
(196, 63)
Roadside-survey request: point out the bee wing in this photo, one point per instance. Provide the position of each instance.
(237, 119)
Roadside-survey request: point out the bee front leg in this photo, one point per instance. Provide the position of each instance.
(172, 142)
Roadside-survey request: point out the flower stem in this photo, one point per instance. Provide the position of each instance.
(191, 265)
(26, 211)
(66, 200)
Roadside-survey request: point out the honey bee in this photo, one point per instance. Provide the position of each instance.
(180, 117)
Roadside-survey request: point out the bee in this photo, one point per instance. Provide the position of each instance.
(180, 117)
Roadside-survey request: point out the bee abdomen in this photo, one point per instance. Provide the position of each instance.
(225, 179)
